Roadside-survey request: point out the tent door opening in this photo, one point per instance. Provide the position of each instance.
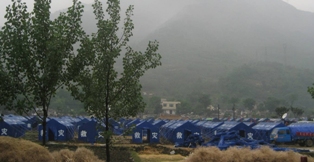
(146, 135)
(51, 135)
(186, 133)
(241, 133)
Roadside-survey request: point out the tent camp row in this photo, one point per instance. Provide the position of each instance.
(148, 130)
(16, 126)
(178, 131)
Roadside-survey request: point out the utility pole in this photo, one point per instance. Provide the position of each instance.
(218, 111)
(233, 111)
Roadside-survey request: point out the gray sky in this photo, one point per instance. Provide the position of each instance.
(306, 5)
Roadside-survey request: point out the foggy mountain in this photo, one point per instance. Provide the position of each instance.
(212, 47)
(207, 40)
(263, 30)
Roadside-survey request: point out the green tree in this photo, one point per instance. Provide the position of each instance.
(204, 101)
(233, 101)
(292, 98)
(34, 53)
(64, 103)
(311, 91)
(155, 104)
(249, 103)
(198, 102)
(104, 91)
(281, 110)
(184, 107)
(271, 103)
(296, 111)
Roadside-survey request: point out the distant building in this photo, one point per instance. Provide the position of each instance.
(169, 107)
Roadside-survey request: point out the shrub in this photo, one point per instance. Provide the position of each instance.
(233, 154)
(80, 155)
(64, 155)
(19, 150)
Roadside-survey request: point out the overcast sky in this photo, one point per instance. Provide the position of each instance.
(306, 5)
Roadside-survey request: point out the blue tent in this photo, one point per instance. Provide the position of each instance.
(164, 128)
(208, 129)
(82, 121)
(250, 124)
(145, 128)
(132, 123)
(264, 120)
(200, 123)
(115, 127)
(124, 122)
(24, 123)
(91, 131)
(12, 128)
(224, 119)
(194, 121)
(32, 122)
(263, 129)
(158, 123)
(239, 119)
(57, 130)
(179, 131)
(242, 129)
(69, 119)
(151, 120)
(248, 120)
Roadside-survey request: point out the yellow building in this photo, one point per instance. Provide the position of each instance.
(169, 107)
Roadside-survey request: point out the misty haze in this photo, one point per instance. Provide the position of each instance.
(243, 49)
(257, 49)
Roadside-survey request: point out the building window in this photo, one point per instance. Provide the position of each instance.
(164, 105)
(170, 105)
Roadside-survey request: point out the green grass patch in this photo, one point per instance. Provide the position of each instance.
(135, 156)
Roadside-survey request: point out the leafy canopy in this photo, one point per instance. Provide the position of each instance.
(99, 85)
(35, 53)
(105, 92)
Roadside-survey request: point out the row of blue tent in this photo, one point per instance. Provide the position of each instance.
(148, 130)
(16, 126)
(177, 131)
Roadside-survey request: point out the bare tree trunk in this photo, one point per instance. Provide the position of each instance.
(44, 126)
(107, 136)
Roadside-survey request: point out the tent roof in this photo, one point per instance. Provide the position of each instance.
(145, 124)
(60, 121)
(267, 125)
(210, 124)
(229, 124)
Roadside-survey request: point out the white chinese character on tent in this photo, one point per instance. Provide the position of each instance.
(179, 135)
(196, 133)
(4, 132)
(154, 134)
(99, 135)
(137, 135)
(250, 136)
(29, 125)
(41, 132)
(83, 133)
(61, 132)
